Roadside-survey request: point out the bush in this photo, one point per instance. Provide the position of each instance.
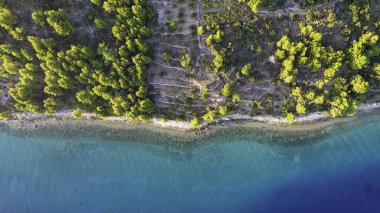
(172, 26)
(228, 90)
(5, 115)
(211, 115)
(77, 113)
(195, 122)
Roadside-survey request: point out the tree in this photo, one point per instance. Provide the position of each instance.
(218, 36)
(228, 90)
(235, 98)
(289, 117)
(300, 107)
(96, 2)
(40, 18)
(359, 59)
(223, 110)
(100, 24)
(186, 61)
(376, 71)
(77, 113)
(247, 70)
(7, 19)
(5, 114)
(254, 4)
(342, 105)
(359, 85)
(146, 106)
(200, 30)
(195, 122)
(172, 26)
(60, 22)
(52, 104)
(86, 97)
(211, 115)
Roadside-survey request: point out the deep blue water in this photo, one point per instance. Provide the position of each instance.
(340, 173)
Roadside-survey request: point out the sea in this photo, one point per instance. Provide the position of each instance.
(338, 172)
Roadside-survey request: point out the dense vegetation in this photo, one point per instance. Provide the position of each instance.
(211, 59)
(47, 72)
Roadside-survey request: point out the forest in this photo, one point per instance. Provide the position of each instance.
(47, 68)
(189, 60)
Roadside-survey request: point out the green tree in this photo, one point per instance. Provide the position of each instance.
(376, 71)
(60, 22)
(359, 85)
(228, 90)
(223, 110)
(289, 117)
(247, 70)
(77, 113)
(146, 106)
(7, 19)
(40, 18)
(200, 30)
(211, 115)
(5, 114)
(254, 4)
(195, 122)
(100, 24)
(172, 26)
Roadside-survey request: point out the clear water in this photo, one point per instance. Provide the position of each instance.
(340, 173)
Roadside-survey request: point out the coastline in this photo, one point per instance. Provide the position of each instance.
(185, 126)
(179, 136)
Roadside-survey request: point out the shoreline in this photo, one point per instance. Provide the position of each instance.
(263, 129)
(185, 126)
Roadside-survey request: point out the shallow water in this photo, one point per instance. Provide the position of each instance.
(340, 173)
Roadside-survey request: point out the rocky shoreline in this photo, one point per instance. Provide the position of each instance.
(179, 135)
(182, 125)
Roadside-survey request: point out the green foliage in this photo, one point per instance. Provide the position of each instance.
(45, 75)
(289, 117)
(359, 59)
(195, 122)
(100, 24)
(359, 85)
(254, 4)
(77, 113)
(146, 106)
(223, 110)
(204, 93)
(247, 70)
(7, 19)
(186, 61)
(235, 98)
(228, 90)
(211, 115)
(97, 2)
(40, 18)
(376, 71)
(5, 114)
(343, 105)
(166, 57)
(60, 22)
(52, 104)
(172, 26)
(200, 30)
(308, 52)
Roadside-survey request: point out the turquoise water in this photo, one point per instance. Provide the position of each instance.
(340, 173)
